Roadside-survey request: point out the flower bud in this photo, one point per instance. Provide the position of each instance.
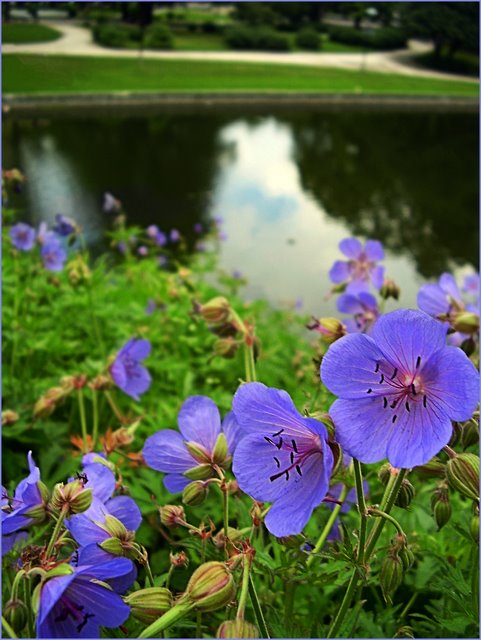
(432, 469)
(462, 473)
(149, 604)
(9, 417)
(405, 495)
(71, 497)
(226, 347)
(466, 322)
(404, 632)
(237, 628)
(441, 505)
(474, 528)
(101, 383)
(220, 453)
(389, 289)
(391, 575)
(384, 473)
(470, 433)
(219, 538)
(195, 493)
(216, 311)
(15, 613)
(331, 329)
(172, 515)
(406, 556)
(198, 452)
(113, 546)
(78, 271)
(200, 472)
(210, 587)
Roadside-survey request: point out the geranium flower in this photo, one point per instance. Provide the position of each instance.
(127, 372)
(284, 457)
(111, 204)
(75, 605)
(157, 235)
(200, 425)
(363, 306)
(471, 286)
(361, 269)
(53, 254)
(23, 236)
(174, 235)
(399, 389)
(64, 226)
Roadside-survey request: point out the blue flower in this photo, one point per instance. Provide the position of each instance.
(127, 372)
(283, 458)
(23, 236)
(363, 306)
(361, 269)
(64, 226)
(200, 425)
(53, 254)
(157, 235)
(174, 235)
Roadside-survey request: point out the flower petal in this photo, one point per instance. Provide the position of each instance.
(84, 527)
(108, 607)
(351, 247)
(125, 509)
(199, 421)
(100, 479)
(165, 451)
(377, 276)
(339, 272)
(452, 383)
(232, 430)
(448, 284)
(50, 594)
(139, 349)
(432, 300)
(175, 483)
(405, 334)
(374, 250)
(350, 367)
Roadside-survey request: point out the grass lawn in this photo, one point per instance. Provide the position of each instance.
(18, 33)
(199, 42)
(59, 74)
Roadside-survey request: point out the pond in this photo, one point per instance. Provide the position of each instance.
(289, 185)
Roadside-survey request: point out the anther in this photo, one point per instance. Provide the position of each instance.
(393, 404)
(278, 433)
(413, 390)
(418, 362)
(382, 378)
(298, 469)
(394, 374)
(407, 406)
(394, 418)
(292, 457)
(294, 446)
(269, 441)
(384, 400)
(424, 401)
(369, 391)
(279, 444)
(377, 367)
(277, 462)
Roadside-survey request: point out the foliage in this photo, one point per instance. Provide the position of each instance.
(116, 35)
(308, 38)
(158, 36)
(384, 39)
(258, 38)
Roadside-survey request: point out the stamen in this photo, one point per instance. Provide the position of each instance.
(377, 367)
(298, 469)
(292, 457)
(279, 444)
(384, 400)
(369, 391)
(382, 378)
(394, 374)
(394, 418)
(424, 401)
(84, 621)
(277, 462)
(407, 406)
(413, 390)
(294, 446)
(418, 362)
(394, 403)
(269, 441)
(287, 475)
(278, 433)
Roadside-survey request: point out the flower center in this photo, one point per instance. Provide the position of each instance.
(75, 611)
(291, 454)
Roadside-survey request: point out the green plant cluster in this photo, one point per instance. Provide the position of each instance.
(256, 38)
(120, 35)
(382, 39)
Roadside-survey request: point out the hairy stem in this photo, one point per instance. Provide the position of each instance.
(261, 623)
(361, 505)
(56, 531)
(245, 587)
(83, 420)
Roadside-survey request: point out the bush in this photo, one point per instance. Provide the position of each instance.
(212, 27)
(308, 38)
(116, 35)
(262, 39)
(383, 39)
(159, 36)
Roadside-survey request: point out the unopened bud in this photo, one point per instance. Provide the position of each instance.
(237, 628)
(389, 289)
(404, 632)
(226, 347)
(195, 493)
(71, 497)
(210, 587)
(216, 311)
(466, 322)
(456, 434)
(172, 515)
(113, 546)
(149, 604)
(198, 452)
(384, 473)
(407, 557)
(441, 505)
(78, 271)
(9, 417)
(331, 329)
(256, 513)
(220, 454)
(179, 559)
(470, 433)
(101, 383)
(462, 473)
(15, 613)
(432, 469)
(391, 575)
(200, 472)
(405, 495)
(219, 539)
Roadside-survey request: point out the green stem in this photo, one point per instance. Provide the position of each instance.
(167, 620)
(290, 592)
(148, 571)
(408, 606)
(350, 591)
(95, 411)
(169, 576)
(56, 531)
(327, 528)
(244, 588)
(28, 606)
(261, 623)
(382, 514)
(361, 505)
(226, 521)
(114, 407)
(11, 633)
(83, 419)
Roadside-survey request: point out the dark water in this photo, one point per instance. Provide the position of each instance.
(288, 184)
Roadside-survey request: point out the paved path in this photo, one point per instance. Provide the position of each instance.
(77, 41)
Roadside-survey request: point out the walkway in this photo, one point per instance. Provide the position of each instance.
(77, 41)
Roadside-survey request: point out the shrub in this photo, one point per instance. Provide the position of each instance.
(308, 38)
(159, 36)
(383, 39)
(212, 27)
(263, 39)
(116, 35)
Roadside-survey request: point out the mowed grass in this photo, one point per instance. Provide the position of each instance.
(17, 33)
(30, 74)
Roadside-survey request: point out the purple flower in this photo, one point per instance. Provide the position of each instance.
(26, 500)
(122, 247)
(200, 425)
(143, 251)
(471, 286)
(77, 604)
(23, 236)
(126, 370)
(87, 527)
(151, 307)
(363, 306)
(284, 458)
(198, 228)
(64, 226)
(222, 236)
(53, 254)
(399, 389)
(361, 268)
(237, 275)
(111, 204)
(174, 235)
(157, 235)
